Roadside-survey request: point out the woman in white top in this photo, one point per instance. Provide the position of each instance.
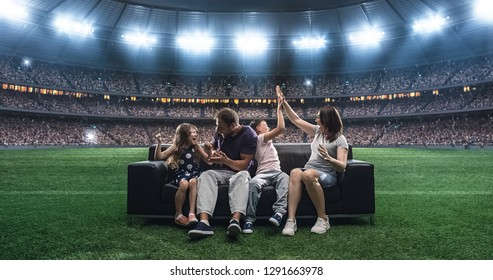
(329, 151)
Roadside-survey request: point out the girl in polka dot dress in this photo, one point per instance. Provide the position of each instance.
(183, 157)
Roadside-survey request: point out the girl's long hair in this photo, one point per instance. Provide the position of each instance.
(331, 120)
(180, 140)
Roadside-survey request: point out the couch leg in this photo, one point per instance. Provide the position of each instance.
(129, 220)
(372, 219)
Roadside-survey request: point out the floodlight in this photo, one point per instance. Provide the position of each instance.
(310, 43)
(367, 37)
(68, 26)
(199, 42)
(12, 10)
(139, 39)
(430, 24)
(483, 10)
(251, 44)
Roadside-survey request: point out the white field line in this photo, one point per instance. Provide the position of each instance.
(432, 192)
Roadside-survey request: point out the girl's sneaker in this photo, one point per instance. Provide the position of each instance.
(181, 220)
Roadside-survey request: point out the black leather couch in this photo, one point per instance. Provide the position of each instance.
(150, 195)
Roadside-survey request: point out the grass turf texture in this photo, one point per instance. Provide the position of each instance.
(71, 204)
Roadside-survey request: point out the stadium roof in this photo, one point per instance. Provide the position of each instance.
(279, 21)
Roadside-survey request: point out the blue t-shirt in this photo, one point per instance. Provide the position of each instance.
(245, 142)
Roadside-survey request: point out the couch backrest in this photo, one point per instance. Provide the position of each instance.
(291, 155)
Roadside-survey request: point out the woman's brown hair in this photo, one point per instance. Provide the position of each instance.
(331, 120)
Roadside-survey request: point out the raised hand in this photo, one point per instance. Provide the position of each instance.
(159, 137)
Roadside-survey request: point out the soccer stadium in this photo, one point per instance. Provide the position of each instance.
(86, 86)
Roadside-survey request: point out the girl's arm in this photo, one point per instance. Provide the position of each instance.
(158, 155)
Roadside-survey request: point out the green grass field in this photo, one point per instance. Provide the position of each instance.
(71, 204)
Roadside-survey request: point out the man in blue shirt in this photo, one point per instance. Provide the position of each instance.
(232, 152)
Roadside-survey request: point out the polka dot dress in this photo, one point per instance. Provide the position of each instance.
(188, 168)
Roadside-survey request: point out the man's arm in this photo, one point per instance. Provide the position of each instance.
(237, 165)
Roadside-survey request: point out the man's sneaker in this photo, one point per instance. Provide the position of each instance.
(276, 219)
(248, 227)
(181, 220)
(201, 230)
(321, 226)
(289, 228)
(234, 228)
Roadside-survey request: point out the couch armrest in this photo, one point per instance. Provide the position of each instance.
(358, 187)
(144, 182)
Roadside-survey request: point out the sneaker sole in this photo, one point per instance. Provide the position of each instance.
(197, 234)
(320, 232)
(288, 234)
(274, 222)
(233, 231)
(248, 231)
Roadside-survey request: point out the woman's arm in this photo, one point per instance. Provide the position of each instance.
(307, 127)
(338, 164)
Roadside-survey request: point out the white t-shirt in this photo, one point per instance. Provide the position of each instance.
(266, 156)
(316, 161)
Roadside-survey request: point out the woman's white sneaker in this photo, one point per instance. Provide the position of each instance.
(289, 228)
(321, 226)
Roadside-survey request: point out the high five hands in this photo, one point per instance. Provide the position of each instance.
(280, 95)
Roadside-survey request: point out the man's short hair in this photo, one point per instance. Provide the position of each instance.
(228, 116)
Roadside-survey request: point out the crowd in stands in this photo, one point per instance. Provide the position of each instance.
(419, 77)
(447, 131)
(121, 106)
(127, 98)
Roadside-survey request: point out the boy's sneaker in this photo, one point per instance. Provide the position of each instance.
(276, 219)
(201, 230)
(234, 228)
(289, 228)
(321, 226)
(248, 227)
